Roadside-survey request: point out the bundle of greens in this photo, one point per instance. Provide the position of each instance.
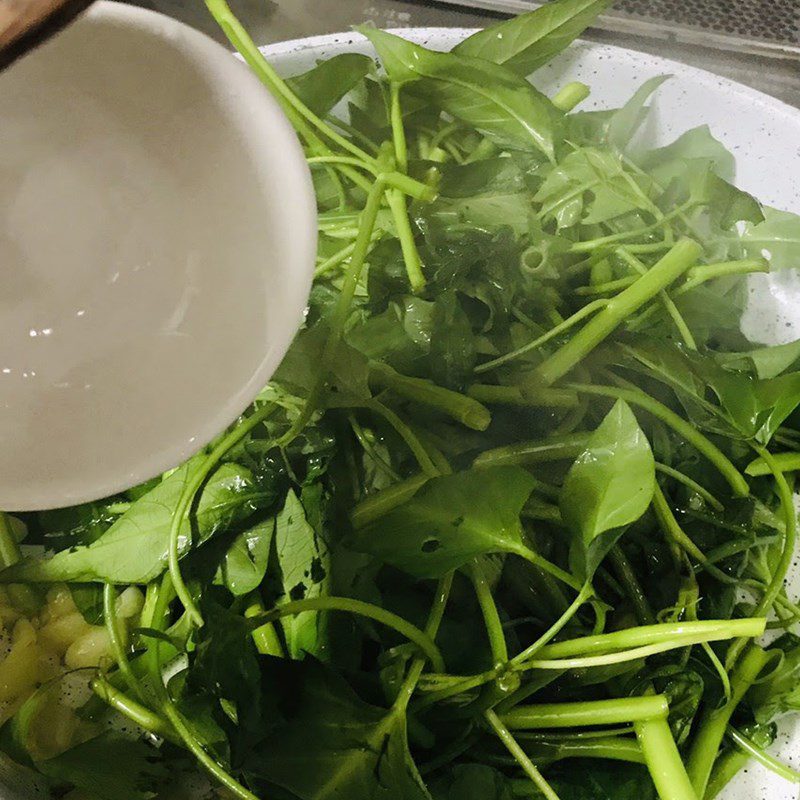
(519, 494)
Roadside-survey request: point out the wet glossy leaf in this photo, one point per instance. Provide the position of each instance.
(451, 520)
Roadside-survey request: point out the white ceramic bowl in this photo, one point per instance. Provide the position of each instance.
(157, 243)
(764, 135)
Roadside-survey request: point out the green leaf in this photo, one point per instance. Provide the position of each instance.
(609, 486)
(594, 171)
(491, 99)
(727, 205)
(777, 239)
(781, 693)
(245, 563)
(304, 560)
(88, 599)
(108, 767)
(530, 40)
(226, 665)
(348, 369)
(623, 123)
(322, 742)
(134, 549)
(451, 520)
(323, 86)
(679, 159)
(765, 362)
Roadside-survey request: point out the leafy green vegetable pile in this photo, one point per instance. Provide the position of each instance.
(520, 492)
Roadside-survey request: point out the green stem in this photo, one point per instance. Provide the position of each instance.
(546, 397)
(666, 301)
(241, 40)
(680, 258)
(359, 607)
(528, 767)
(117, 638)
(692, 484)
(584, 594)
(779, 573)
(466, 410)
(628, 579)
(398, 130)
(408, 436)
(663, 759)
(587, 713)
(764, 758)
(196, 480)
(402, 224)
(265, 638)
(431, 629)
(706, 630)
(580, 314)
(381, 503)
(614, 748)
(783, 462)
(341, 309)
(9, 549)
(135, 712)
(734, 478)
(554, 448)
(571, 95)
(714, 721)
(726, 768)
(491, 619)
(708, 272)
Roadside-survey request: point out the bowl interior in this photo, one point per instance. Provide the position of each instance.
(157, 235)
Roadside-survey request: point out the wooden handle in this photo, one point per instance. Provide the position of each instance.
(26, 23)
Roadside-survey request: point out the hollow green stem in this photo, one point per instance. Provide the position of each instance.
(726, 768)
(587, 713)
(678, 260)
(613, 748)
(570, 96)
(466, 410)
(265, 638)
(528, 767)
(703, 445)
(360, 608)
(714, 721)
(663, 759)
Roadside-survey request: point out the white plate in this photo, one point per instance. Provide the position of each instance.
(764, 135)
